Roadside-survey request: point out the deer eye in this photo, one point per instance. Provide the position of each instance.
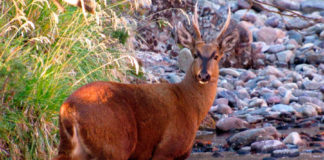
(196, 55)
(215, 57)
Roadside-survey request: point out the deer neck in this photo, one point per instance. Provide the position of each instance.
(199, 96)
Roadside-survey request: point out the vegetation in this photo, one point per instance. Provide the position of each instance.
(44, 56)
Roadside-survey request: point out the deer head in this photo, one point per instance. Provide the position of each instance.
(206, 55)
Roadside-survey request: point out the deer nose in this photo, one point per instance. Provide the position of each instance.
(203, 76)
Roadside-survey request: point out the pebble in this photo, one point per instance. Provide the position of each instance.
(267, 146)
(283, 108)
(285, 153)
(293, 138)
(231, 123)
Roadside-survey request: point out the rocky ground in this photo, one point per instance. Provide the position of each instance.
(269, 106)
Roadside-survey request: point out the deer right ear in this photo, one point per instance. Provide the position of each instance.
(184, 36)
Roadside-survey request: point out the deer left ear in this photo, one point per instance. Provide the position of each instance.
(228, 42)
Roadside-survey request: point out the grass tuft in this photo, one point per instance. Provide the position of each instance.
(44, 56)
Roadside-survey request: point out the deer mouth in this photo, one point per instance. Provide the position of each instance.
(203, 82)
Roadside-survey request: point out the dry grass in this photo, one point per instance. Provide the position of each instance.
(44, 56)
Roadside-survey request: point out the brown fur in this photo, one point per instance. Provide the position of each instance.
(108, 120)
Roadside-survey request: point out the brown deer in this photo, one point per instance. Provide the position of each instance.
(115, 121)
(88, 5)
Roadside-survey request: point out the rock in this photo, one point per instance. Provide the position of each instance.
(282, 108)
(254, 118)
(224, 109)
(271, 70)
(243, 94)
(288, 4)
(184, 59)
(231, 123)
(276, 48)
(284, 56)
(173, 78)
(267, 146)
(293, 138)
(229, 71)
(290, 86)
(247, 75)
(244, 150)
(311, 94)
(208, 123)
(272, 21)
(311, 85)
(276, 83)
(231, 96)
(257, 102)
(297, 23)
(310, 38)
(273, 99)
(308, 110)
(249, 136)
(321, 35)
(220, 101)
(243, 4)
(267, 35)
(287, 97)
(312, 5)
(292, 34)
(285, 153)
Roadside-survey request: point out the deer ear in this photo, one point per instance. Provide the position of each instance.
(184, 36)
(228, 42)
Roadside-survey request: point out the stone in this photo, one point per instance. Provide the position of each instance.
(243, 4)
(257, 102)
(244, 150)
(249, 136)
(297, 23)
(220, 101)
(283, 108)
(224, 109)
(247, 75)
(271, 70)
(285, 153)
(276, 48)
(312, 5)
(173, 78)
(267, 146)
(308, 110)
(231, 123)
(284, 56)
(254, 118)
(185, 59)
(276, 83)
(229, 71)
(292, 34)
(243, 94)
(290, 86)
(321, 36)
(293, 138)
(311, 85)
(288, 4)
(208, 123)
(272, 21)
(267, 35)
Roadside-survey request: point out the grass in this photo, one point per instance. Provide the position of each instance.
(44, 57)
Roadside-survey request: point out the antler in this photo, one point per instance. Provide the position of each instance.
(222, 32)
(195, 24)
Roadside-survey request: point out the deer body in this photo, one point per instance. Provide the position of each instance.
(107, 120)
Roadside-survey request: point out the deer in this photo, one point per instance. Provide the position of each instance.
(117, 121)
(87, 5)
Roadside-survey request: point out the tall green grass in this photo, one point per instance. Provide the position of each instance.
(44, 56)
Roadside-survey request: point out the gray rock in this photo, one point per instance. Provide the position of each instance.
(257, 102)
(310, 38)
(285, 153)
(184, 59)
(243, 94)
(276, 83)
(321, 35)
(231, 123)
(287, 97)
(247, 75)
(273, 21)
(254, 118)
(288, 4)
(313, 94)
(282, 108)
(267, 35)
(229, 71)
(267, 146)
(220, 101)
(297, 23)
(307, 110)
(243, 4)
(276, 48)
(293, 138)
(311, 85)
(292, 34)
(173, 78)
(223, 109)
(285, 56)
(312, 5)
(249, 136)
